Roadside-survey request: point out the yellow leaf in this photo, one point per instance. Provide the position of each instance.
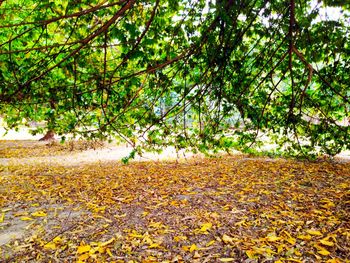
(107, 242)
(304, 237)
(272, 238)
(278, 261)
(327, 243)
(2, 217)
(121, 216)
(228, 239)
(179, 238)
(226, 259)
(280, 248)
(100, 249)
(109, 252)
(57, 240)
(193, 247)
(26, 218)
(50, 245)
(294, 260)
(214, 215)
(83, 248)
(241, 223)
(147, 240)
(205, 227)
(269, 251)
(156, 224)
(39, 214)
(323, 252)
(83, 257)
(327, 203)
(174, 203)
(154, 245)
(260, 250)
(343, 185)
(185, 248)
(135, 235)
(210, 243)
(250, 254)
(314, 232)
(333, 260)
(291, 240)
(20, 214)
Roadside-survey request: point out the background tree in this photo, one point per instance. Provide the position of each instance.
(180, 73)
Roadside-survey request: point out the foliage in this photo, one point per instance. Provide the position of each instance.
(195, 74)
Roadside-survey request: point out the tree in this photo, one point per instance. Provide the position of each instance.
(180, 73)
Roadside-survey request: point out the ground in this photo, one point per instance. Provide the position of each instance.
(84, 205)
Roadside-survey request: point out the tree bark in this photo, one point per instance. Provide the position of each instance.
(49, 136)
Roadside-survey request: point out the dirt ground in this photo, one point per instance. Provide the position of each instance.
(29, 157)
(23, 149)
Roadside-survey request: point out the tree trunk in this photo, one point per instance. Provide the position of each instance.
(49, 136)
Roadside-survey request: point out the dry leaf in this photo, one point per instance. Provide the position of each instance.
(83, 249)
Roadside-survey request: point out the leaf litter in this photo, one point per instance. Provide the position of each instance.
(227, 209)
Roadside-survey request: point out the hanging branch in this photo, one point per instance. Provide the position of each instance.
(309, 78)
(55, 19)
(86, 40)
(290, 63)
(138, 41)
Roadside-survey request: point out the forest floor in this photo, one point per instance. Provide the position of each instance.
(84, 205)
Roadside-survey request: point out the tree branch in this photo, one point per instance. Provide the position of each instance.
(86, 40)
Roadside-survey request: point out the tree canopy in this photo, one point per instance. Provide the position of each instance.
(197, 74)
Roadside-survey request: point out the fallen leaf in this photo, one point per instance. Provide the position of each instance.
(83, 257)
(193, 247)
(333, 260)
(109, 252)
(294, 260)
(211, 242)
(291, 240)
(26, 218)
(226, 259)
(50, 245)
(228, 239)
(2, 217)
(273, 238)
(304, 237)
(205, 227)
(314, 232)
(39, 214)
(180, 238)
(250, 254)
(323, 252)
(154, 245)
(57, 240)
(106, 243)
(83, 249)
(326, 243)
